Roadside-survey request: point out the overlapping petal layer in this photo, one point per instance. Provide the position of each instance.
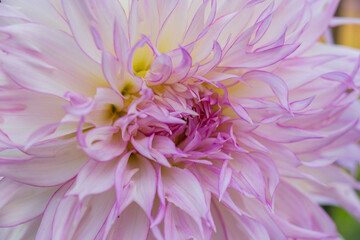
(154, 119)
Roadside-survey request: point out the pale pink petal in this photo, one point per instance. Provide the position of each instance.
(175, 119)
(107, 105)
(103, 143)
(26, 108)
(277, 85)
(165, 146)
(259, 59)
(21, 232)
(296, 211)
(50, 164)
(183, 190)
(80, 221)
(322, 12)
(160, 70)
(180, 225)
(231, 226)
(79, 104)
(143, 144)
(45, 229)
(249, 176)
(224, 179)
(21, 203)
(198, 22)
(98, 14)
(39, 11)
(142, 183)
(332, 135)
(181, 69)
(270, 172)
(112, 70)
(62, 66)
(285, 134)
(93, 178)
(204, 45)
(132, 216)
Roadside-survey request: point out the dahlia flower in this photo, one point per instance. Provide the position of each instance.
(175, 119)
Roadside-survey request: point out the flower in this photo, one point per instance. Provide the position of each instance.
(175, 120)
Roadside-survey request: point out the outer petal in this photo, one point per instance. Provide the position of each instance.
(337, 192)
(50, 164)
(21, 232)
(300, 216)
(231, 226)
(259, 59)
(23, 112)
(49, 60)
(277, 85)
(322, 12)
(131, 224)
(44, 231)
(21, 203)
(39, 11)
(99, 15)
(285, 134)
(81, 221)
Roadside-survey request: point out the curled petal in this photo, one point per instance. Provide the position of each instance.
(104, 143)
(277, 85)
(160, 70)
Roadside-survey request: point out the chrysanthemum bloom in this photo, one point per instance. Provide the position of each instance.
(181, 119)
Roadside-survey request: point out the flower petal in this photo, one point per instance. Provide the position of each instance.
(44, 231)
(29, 112)
(100, 15)
(183, 190)
(23, 231)
(104, 143)
(277, 85)
(93, 178)
(143, 183)
(132, 216)
(180, 225)
(81, 221)
(51, 164)
(21, 203)
(62, 66)
(231, 226)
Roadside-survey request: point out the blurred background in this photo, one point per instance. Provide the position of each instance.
(348, 35)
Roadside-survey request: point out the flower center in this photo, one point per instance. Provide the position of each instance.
(142, 60)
